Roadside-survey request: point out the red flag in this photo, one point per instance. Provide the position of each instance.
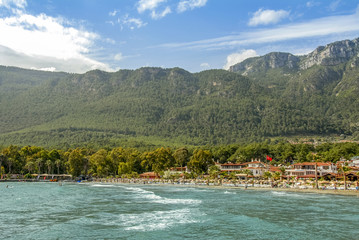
(269, 158)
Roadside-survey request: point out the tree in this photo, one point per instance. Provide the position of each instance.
(39, 163)
(2, 159)
(247, 172)
(124, 168)
(49, 166)
(344, 169)
(10, 163)
(214, 171)
(200, 161)
(181, 156)
(101, 163)
(12, 157)
(282, 172)
(30, 166)
(75, 162)
(58, 163)
(276, 175)
(267, 175)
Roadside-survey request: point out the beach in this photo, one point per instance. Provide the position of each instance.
(241, 185)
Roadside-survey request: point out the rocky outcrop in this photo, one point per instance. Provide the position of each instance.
(329, 55)
(332, 54)
(266, 62)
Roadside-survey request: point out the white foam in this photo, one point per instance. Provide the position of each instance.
(148, 195)
(158, 220)
(102, 185)
(296, 195)
(279, 193)
(226, 192)
(178, 201)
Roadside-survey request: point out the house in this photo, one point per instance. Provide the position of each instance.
(353, 163)
(231, 167)
(149, 175)
(175, 170)
(307, 169)
(258, 168)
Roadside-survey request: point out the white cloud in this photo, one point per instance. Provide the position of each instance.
(315, 28)
(13, 3)
(152, 6)
(311, 4)
(265, 17)
(235, 58)
(110, 22)
(110, 41)
(48, 69)
(44, 36)
(119, 57)
(42, 41)
(144, 5)
(132, 23)
(185, 5)
(334, 5)
(80, 64)
(113, 13)
(166, 11)
(205, 66)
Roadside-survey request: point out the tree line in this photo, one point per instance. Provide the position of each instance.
(129, 162)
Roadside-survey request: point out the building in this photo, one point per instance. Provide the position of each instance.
(307, 169)
(258, 168)
(231, 167)
(149, 175)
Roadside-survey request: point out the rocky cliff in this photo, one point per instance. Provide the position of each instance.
(332, 54)
(268, 61)
(329, 55)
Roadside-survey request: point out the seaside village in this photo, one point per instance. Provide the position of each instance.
(258, 173)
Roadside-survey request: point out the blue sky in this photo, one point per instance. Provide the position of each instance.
(80, 35)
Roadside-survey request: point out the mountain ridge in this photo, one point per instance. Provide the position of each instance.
(330, 55)
(173, 106)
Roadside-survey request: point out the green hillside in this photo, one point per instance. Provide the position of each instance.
(155, 106)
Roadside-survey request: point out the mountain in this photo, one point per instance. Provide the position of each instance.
(275, 95)
(331, 55)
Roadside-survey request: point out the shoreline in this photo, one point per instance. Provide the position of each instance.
(240, 187)
(246, 187)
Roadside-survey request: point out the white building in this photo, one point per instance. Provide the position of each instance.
(307, 169)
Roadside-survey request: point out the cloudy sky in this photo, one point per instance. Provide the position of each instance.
(80, 35)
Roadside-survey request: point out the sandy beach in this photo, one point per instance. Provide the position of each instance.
(247, 187)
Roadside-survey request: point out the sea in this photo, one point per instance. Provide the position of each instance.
(129, 211)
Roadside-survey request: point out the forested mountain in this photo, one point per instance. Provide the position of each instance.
(278, 94)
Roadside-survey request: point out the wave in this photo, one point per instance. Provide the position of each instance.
(148, 195)
(102, 185)
(159, 220)
(227, 192)
(298, 195)
(279, 193)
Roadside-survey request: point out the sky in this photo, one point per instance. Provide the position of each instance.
(81, 35)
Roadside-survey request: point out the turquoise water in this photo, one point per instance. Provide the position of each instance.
(99, 211)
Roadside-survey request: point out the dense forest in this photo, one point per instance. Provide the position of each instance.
(129, 162)
(274, 96)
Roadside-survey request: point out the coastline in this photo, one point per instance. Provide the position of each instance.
(193, 184)
(239, 187)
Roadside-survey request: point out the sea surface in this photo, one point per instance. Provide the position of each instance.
(115, 211)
